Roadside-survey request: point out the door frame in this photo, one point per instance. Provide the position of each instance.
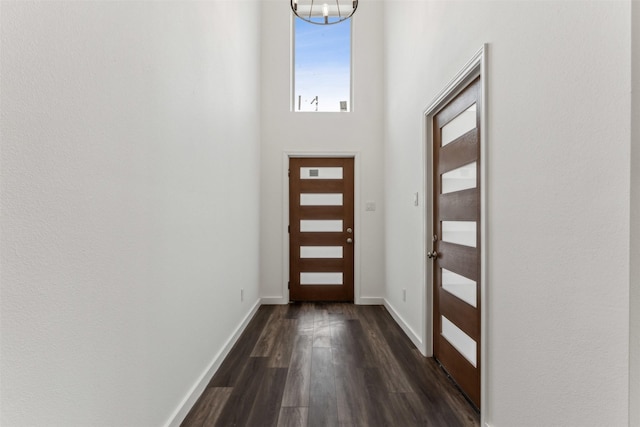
(286, 155)
(475, 67)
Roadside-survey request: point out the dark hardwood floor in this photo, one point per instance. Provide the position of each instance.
(317, 364)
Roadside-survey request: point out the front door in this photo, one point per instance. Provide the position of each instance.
(456, 243)
(321, 229)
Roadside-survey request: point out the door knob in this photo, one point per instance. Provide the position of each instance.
(349, 230)
(432, 255)
(349, 240)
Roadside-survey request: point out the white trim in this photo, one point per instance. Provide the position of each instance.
(292, 63)
(196, 390)
(411, 334)
(484, 230)
(470, 71)
(274, 301)
(286, 154)
(371, 301)
(476, 66)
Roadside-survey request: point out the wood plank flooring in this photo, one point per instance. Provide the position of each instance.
(327, 364)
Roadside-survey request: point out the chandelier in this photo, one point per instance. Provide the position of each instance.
(317, 12)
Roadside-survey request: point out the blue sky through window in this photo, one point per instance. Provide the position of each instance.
(322, 66)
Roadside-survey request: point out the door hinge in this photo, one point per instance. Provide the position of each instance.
(288, 285)
(289, 173)
(288, 229)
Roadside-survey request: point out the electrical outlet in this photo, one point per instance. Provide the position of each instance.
(404, 295)
(241, 295)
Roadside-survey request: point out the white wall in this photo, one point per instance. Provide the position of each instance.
(130, 197)
(358, 131)
(558, 178)
(634, 295)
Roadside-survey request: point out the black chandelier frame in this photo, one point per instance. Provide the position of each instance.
(323, 18)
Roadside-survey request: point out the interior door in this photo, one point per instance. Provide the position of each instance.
(321, 229)
(456, 243)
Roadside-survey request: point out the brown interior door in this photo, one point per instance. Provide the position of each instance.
(321, 229)
(456, 243)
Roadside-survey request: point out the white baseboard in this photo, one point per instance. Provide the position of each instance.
(360, 301)
(415, 338)
(370, 301)
(274, 300)
(192, 396)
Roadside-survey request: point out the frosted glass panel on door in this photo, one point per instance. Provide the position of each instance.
(458, 339)
(457, 127)
(459, 232)
(320, 225)
(459, 179)
(321, 173)
(320, 251)
(321, 199)
(321, 278)
(459, 286)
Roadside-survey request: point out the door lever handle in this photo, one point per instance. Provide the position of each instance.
(432, 255)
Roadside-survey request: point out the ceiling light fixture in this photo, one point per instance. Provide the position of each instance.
(316, 12)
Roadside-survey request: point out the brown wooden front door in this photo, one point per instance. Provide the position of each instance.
(321, 229)
(456, 243)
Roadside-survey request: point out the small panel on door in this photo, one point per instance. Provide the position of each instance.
(321, 230)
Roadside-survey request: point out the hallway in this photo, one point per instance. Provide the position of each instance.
(328, 364)
(145, 214)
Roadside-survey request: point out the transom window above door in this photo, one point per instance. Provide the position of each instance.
(321, 67)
